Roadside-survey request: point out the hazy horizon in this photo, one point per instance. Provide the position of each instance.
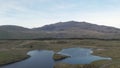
(37, 13)
(55, 23)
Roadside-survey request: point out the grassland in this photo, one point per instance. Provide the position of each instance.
(15, 50)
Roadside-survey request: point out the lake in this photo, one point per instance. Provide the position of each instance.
(43, 58)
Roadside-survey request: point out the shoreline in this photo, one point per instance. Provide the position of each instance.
(12, 62)
(16, 47)
(28, 56)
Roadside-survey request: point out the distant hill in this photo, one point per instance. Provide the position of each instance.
(13, 28)
(18, 32)
(69, 29)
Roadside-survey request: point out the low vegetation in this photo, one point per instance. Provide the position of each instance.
(64, 65)
(57, 57)
(16, 50)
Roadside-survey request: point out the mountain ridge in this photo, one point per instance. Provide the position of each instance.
(69, 29)
(80, 25)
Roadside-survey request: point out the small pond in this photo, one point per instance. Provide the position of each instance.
(43, 58)
(80, 56)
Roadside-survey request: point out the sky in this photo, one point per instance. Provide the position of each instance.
(37, 13)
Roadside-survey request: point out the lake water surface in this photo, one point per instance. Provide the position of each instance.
(80, 56)
(43, 58)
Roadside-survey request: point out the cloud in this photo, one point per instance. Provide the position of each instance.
(32, 13)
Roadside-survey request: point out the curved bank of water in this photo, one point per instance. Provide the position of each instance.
(43, 58)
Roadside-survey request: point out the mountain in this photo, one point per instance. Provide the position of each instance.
(74, 29)
(74, 25)
(69, 29)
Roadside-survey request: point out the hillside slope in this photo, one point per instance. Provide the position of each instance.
(69, 29)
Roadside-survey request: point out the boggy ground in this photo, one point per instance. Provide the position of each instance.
(15, 50)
